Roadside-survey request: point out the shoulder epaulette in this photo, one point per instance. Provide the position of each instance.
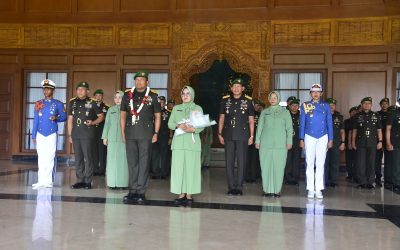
(153, 91)
(227, 96)
(248, 97)
(73, 98)
(127, 90)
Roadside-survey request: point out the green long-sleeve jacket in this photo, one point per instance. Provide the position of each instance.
(275, 128)
(184, 141)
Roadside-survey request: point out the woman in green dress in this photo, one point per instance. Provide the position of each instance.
(186, 150)
(117, 165)
(273, 139)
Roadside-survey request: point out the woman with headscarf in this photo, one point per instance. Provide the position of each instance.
(186, 150)
(273, 139)
(117, 165)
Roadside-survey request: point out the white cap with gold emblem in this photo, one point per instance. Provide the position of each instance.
(46, 83)
(316, 88)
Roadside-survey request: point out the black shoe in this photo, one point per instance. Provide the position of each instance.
(141, 198)
(370, 186)
(396, 188)
(88, 186)
(231, 192)
(78, 185)
(277, 195)
(180, 200)
(378, 183)
(191, 200)
(238, 192)
(130, 197)
(267, 194)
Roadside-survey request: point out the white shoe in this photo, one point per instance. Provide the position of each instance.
(36, 185)
(310, 194)
(48, 185)
(319, 195)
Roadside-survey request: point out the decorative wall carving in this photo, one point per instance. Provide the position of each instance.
(42, 36)
(155, 35)
(244, 45)
(300, 33)
(364, 31)
(395, 30)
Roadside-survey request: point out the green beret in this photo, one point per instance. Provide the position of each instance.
(83, 84)
(171, 101)
(384, 100)
(141, 74)
(98, 91)
(295, 101)
(331, 101)
(366, 99)
(237, 81)
(161, 98)
(291, 98)
(353, 109)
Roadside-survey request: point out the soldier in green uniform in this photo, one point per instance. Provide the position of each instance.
(100, 152)
(350, 152)
(384, 114)
(366, 139)
(159, 158)
(393, 146)
(253, 169)
(390, 159)
(83, 115)
(332, 161)
(140, 125)
(292, 168)
(236, 132)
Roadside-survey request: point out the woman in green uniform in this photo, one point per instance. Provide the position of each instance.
(273, 139)
(117, 165)
(186, 150)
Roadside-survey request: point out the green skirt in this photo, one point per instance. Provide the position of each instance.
(185, 172)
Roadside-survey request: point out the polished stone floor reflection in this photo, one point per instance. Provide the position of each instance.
(61, 218)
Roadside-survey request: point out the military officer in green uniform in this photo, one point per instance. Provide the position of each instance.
(292, 168)
(366, 139)
(289, 100)
(351, 154)
(390, 163)
(100, 152)
(253, 168)
(332, 161)
(140, 125)
(236, 132)
(384, 114)
(83, 116)
(159, 159)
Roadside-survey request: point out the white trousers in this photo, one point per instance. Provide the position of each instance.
(315, 150)
(46, 147)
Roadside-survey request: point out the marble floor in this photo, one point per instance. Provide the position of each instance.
(61, 218)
